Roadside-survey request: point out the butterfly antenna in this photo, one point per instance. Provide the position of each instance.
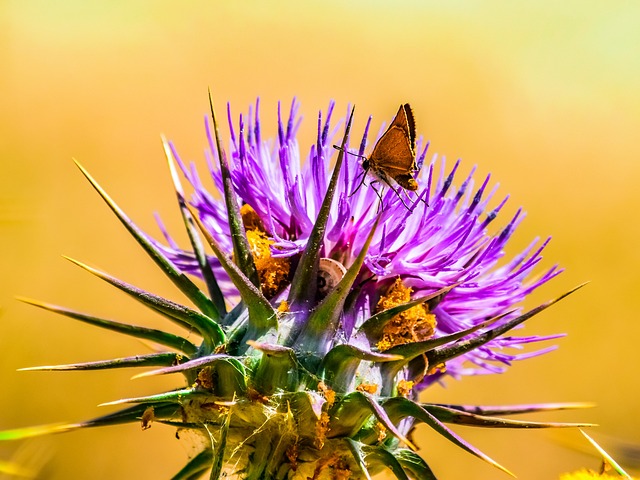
(350, 153)
(364, 172)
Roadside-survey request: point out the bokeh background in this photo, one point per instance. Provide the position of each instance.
(544, 95)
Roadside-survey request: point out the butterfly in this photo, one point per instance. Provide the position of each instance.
(393, 156)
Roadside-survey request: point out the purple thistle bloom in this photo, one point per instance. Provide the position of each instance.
(446, 237)
(330, 303)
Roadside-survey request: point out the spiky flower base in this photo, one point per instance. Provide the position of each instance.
(327, 309)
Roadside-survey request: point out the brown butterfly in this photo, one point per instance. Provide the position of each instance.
(393, 156)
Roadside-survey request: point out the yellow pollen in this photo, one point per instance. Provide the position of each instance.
(382, 431)
(273, 272)
(322, 427)
(413, 325)
(404, 387)
(384, 344)
(439, 368)
(329, 395)
(367, 387)
(283, 307)
(250, 218)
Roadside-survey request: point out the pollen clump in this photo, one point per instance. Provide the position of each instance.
(322, 427)
(250, 218)
(439, 368)
(413, 325)
(367, 388)
(404, 387)
(273, 272)
(328, 394)
(283, 307)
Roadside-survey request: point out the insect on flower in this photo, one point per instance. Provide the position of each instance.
(393, 156)
(321, 320)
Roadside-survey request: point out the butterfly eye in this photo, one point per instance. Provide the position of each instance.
(330, 272)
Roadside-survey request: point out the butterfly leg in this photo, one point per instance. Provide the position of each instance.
(363, 175)
(399, 195)
(380, 204)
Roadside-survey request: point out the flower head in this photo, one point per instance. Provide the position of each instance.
(326, 307)
(445, 239)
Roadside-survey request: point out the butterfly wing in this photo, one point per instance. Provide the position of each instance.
(411, 126)
(393, 154)
(396, 148)
(405, 120)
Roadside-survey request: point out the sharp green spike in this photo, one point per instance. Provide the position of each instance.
(409, 351)
(262, 316)
(176, 396)
(447, 353)
(35, 431)
(414, 465)
(303, 285)
(133, 414)
(513, 409)
(181, 314)
(198, 249)
(450, 415)
(354, 409)
(241, 250)
(191, 364)
(606, 457)
(229, 376)
(380, 457)
(150, 360)
(185, 285)
(158, 336)
(398, 408)
(196, 466)
(323, 321)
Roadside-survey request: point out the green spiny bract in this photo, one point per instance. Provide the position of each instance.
(312, 358)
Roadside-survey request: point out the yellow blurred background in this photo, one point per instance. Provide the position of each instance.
(544, 95)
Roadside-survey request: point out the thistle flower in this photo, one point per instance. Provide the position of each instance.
(326, 309)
